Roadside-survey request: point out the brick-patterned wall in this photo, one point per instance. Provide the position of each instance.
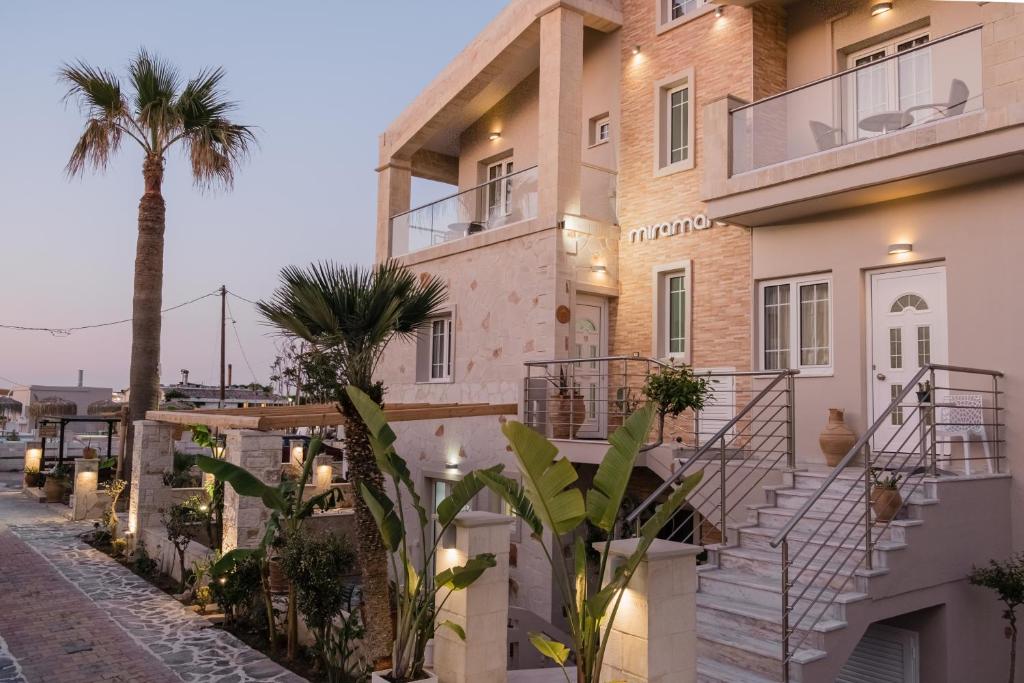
(719, 49)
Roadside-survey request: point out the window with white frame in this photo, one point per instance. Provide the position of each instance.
(499, 189)
(672, 307)
(671, 12)
(434, 350)
(600, 129)
(675, 123)
(796, 324)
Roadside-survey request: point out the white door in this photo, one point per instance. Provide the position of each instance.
(720, 406)
(908, 331)
(590, 377)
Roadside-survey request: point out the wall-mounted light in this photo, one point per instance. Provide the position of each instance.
(298, 451)
(636, 49)
(719, 11)
(219, 446)
(452, 467)
(33, 457)
(496, 135)
(599, 269)
(881, 7)
(324, 474)
(901, 248)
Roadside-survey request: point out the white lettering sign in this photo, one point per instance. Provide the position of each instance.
(679, 226)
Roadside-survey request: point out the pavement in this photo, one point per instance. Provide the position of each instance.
(71, 614)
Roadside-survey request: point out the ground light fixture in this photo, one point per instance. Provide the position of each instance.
(901, 248)
(881, 7)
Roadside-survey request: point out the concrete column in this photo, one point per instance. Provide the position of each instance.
(654, 637)
(481, 609)
(394, 189)
(560, 115)
(152, 454)
(245, 517)
(87, 502)
(323, 472)
(33, 457)
(717, 146)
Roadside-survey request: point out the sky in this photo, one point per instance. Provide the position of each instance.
(321, 79)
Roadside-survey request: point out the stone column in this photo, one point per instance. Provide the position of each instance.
(654, 637)
(323, 472)
(481, 609)
(394, 189)
(560, 115)
(152, 454)
(86, 501)
(33, 457)
(245, 517)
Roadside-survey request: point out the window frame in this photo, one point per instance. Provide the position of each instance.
(425, 350)
(499, 187)
(795, 313)
(594, 138)
(664, 21)
(663, 91)
(661, 282)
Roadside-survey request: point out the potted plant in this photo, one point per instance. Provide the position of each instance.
(674, 390)
(33, 478)
(89, 453)
(567, 410)
(58, 480)
(417, 597)
(885, 494)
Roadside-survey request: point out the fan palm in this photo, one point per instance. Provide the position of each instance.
(355, 312)
(159, 111)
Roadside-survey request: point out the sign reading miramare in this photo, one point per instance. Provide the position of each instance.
(679, 226)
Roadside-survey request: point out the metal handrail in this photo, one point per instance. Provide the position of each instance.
(466, 191)
(864, 439)
(845, 72)
(718, 436)
(596, 359)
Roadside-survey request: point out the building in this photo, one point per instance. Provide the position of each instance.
(235, 396)
(750, 188)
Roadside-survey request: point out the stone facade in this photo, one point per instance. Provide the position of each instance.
(245, 517)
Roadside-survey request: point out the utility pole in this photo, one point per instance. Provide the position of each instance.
(223, 326)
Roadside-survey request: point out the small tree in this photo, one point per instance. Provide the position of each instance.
(1007, 580)
(181, 521)
(673, 390)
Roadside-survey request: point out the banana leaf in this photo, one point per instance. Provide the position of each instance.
(384, 514)
(459, 578)
(242, 482)
(612, 476)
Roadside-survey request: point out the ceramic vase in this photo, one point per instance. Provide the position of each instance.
(885, 503)
(836, 438)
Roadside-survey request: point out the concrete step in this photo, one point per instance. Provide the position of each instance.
(766, 592)
(728, 614)
(831, 502)
(761, 537)
(710, 670)
(825, 523)
(834, 575)
(749, 653)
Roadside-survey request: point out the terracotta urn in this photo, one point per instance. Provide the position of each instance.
(836, 438)
(54, 489)
(885, 502)
(566, 415)
(89, 453)
(385, 677)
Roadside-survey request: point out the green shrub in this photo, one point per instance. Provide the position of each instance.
(1007, 580)
(236, 592)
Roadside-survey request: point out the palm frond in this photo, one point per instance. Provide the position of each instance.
(156, 83)
(98, 94)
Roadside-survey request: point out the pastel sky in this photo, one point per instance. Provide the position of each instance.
(321, 78)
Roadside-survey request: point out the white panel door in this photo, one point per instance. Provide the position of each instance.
(591, 377)
(908, 331)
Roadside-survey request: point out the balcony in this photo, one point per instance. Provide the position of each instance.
(509, 199)
(927, 117)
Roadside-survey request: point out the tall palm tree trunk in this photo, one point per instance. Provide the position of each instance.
(144, 386)
(373, 559)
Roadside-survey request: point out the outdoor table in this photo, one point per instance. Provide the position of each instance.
(886, 121)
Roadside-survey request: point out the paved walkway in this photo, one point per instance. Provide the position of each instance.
(70, 614)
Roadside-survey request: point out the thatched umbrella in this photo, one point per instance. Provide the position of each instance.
(51, 406)
(9, 407)
(104, 408)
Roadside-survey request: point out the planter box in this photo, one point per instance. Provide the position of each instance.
(378, 677)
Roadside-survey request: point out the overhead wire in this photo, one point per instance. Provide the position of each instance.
(238, 339)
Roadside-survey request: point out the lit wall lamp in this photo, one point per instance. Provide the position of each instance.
(599, 269)
(324, 474)
(496, 135)
(33, 457)
(636, 49)
(219, 446)
(298, 451)
(719, 11)
(881, 7)
(452, 467)
(901, 248)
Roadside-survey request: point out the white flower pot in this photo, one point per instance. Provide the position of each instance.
(378, 677)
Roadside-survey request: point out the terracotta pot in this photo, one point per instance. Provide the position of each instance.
(885, 503)
(278, 580)
(33, 480)
(54, 490)
(88, 453)
(566, 415)
(379, 677)
(836, 438)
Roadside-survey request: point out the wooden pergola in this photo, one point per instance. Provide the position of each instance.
(274, 418)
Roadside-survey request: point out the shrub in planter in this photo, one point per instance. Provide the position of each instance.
(33, 477)
(885, 494)
(673, 390)
(417, 597)
(58, 481)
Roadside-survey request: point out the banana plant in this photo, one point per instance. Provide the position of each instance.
(547, 500)
(416, 593)
(287, 512)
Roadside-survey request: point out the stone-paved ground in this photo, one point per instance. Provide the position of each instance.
(184, 642)
(10, 670)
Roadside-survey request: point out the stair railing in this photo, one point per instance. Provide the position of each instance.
(755, 442)
(903, 441)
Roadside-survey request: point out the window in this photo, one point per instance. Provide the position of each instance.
(674, 12)
(891, 85)
(434, 350)
(672, 311)
(674, 132)
(796, 324)
(600, 129)
(499, 189)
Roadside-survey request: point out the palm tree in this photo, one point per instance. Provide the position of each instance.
(158, 112)
(355, 312)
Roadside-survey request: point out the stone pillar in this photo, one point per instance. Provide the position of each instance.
(33, 457)
(481, 609)
(245, 517)
(152, 454)
(394, 191)
(323, 472)
(560, 115)
(654, 637)
(86, 502)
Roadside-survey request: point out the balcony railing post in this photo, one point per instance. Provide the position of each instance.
(933, 398)
(785, 610)
(791, 421)
(868, 559)
(721, 484)
(995, 420)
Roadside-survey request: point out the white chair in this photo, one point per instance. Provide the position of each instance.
(962, 416)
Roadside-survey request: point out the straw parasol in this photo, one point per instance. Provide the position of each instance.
(52, 406)
(9, 407)
(104, 408)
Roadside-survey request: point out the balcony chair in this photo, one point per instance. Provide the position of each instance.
(959, 93)
(825, 136)
(963, 416)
